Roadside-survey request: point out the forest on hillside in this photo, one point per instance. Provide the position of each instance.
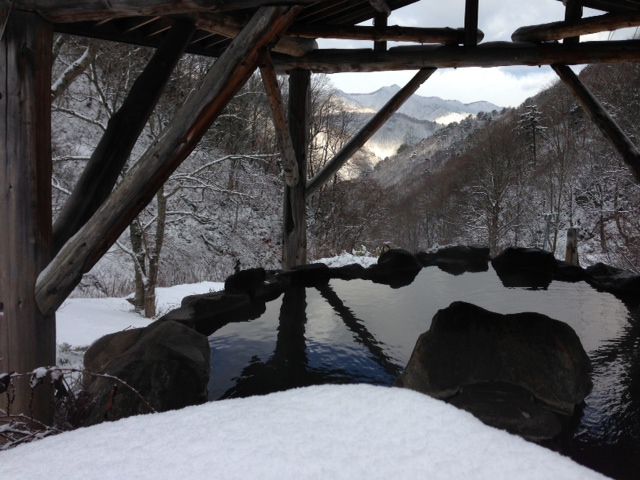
(517, 177)
(520, 178)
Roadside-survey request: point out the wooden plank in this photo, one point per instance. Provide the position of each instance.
(280, 123)
(446, 36)
(368, 130)
(70, 11)
(558, 30)
(103, 169)
(294, 245)
(601, 118)
(227, 75)
(471, 23)
(27, 338)
(494, 54)
(230, 27)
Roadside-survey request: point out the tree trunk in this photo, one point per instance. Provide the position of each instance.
(137, 247)
(27, 337)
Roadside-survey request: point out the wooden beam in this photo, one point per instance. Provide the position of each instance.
(572, 13)
(280, 124)
(445, 36)
(380, 23)
(71, 11)
(558, 30)
(367, 131)
(230, 27)
(227, 75)
(110, 156)
(294, 245)
(27, 338)
(601, 118)
(471, 23)
(494, 54)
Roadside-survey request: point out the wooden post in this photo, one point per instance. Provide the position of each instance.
(571, 255)
(380, 23)
(573, 12)
(106, 163)
(601, 118)
(294, 246)
(368, 130)
(27, 338)
(471, 23)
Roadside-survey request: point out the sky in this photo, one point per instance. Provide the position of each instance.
(498, 19)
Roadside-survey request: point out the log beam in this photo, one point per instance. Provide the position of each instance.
(574, 28)
(229, 27)
(280, 123)
(368, 130)
(108, 159)
(27, 338)
(445, 36)
(294, 246)
(494, 54)
(607, 125)
(71, 11)
(572, 13)
(227, 75)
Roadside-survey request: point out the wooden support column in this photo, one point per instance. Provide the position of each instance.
(27, 337)
(573, 12)
(366, 132)
(601, 118)
(227, 75)
(124, 127)
(380, 23)
(294, 246)
(471, 23)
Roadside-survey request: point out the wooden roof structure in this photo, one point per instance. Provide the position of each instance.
(41, 263)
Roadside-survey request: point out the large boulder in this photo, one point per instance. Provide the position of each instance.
(467, 347)
(166, 362)
(457, 259)
(209, 312)
(619, 282)
(396, 268)
(525, 267)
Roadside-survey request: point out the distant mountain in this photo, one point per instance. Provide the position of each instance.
(434, 109)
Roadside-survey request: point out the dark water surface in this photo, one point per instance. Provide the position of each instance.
(358, 331)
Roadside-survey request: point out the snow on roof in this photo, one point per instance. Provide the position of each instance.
(328, 432)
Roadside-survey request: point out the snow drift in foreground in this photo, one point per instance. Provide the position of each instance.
(328, 432)
(347, 259)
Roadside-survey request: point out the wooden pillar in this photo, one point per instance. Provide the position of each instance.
(573, 12)
(27, 338)
(571, 254)
(471, 23)
(294, 246)
(380, 23)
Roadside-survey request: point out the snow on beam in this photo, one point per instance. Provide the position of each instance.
(227, 75)
(493, 54)
(601, 118)
(366, 132)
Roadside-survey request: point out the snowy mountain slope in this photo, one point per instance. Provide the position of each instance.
(434, 109)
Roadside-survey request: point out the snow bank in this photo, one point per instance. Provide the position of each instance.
(347, 259)
(335, 432)
(81, 321)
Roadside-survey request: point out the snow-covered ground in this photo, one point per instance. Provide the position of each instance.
(81, 321)
(328, 432)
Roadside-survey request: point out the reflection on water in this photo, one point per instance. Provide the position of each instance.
(358, 331)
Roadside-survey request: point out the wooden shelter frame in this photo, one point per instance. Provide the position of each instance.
(40, 264)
